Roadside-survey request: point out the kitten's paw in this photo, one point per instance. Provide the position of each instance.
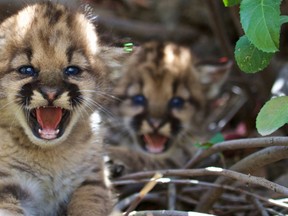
(116, 169)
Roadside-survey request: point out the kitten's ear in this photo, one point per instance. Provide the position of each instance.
(213, 75)
(114, 57)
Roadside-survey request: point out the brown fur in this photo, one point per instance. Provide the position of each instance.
(63, 175)
(161, 72)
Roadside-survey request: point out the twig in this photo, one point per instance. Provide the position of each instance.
(171, 196)
(187, 199)
(280, 203)
(238, 208)
(237, 144)
(247, 165)
(149, 186)
(234, 198)
(166, 213)
(276, 202)
(219, 28)
(159, 197)
(234, 12)
(260, 207)
(273, 212)
(217, 172)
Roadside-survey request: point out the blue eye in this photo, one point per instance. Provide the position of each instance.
(72, 71)
(27, 70)
(176, 102)
(138, 100)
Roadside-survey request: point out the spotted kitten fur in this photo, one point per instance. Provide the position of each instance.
(51, 77)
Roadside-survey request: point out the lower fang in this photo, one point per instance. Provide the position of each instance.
(39, 131)
(57, 131)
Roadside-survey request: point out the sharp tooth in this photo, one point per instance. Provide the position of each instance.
(39, 130)
(57, 131)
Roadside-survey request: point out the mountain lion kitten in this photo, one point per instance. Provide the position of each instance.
(51, 79)
(162, 97)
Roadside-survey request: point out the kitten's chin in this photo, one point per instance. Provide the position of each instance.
(42, 143)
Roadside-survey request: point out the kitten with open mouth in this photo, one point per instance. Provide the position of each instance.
(163, 92)
(51, 76)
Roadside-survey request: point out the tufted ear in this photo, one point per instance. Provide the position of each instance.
(114, 57)
(213, 75)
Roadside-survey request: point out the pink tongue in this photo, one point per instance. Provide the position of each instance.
(49, 117)
(155, 143)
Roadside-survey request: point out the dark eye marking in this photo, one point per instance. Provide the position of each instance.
(72, 71)
(73, 93)
(27, 70)
(26, 92)
(195, 102)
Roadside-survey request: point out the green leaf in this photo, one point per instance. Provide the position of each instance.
(283, 19)
(229, 3)
(273, 115)
(261, 23)
(203, 145)
(215, 139)
(249, 58)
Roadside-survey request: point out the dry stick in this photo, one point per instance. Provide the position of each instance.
(280, 203)
(218, 27)
(236, 210)
(237, 144)
(149, 186)
(218, 172)
(247, 165)
(221, 33)
(167, 213)
(186, 199)
(274, 212)
(151, 197)
(234, 12)
(171, 196)
(260, 207)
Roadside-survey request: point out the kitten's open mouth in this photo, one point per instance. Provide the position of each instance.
(48, 122)
(155, 143)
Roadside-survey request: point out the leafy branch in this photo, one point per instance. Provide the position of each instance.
(261, 21)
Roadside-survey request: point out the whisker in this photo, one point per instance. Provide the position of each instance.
(95, 104)
(7, 104)
(103, 93)
(87, 104)
(16, 113)
(81, 111)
